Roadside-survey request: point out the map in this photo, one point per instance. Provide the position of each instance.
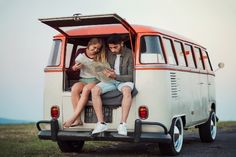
(95, 68)
(98, 68)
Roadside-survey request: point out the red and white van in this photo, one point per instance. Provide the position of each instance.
(173, 76)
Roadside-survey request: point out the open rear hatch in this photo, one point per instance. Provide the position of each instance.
(86, 20)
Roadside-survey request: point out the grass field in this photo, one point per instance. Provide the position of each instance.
(21, 140)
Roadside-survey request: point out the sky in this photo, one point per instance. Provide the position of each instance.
(25, 43)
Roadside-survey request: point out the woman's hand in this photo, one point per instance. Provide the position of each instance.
(77, 66)
(110, 73)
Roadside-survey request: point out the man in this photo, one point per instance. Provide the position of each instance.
(121, 62)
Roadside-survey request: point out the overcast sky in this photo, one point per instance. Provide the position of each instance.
(25, 43)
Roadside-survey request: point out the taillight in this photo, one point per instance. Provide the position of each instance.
(143, 112)
(55, 112)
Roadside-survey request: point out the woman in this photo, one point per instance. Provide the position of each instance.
(95, 51)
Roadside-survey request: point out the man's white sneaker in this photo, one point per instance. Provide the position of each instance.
(122, 129)
(100, 127)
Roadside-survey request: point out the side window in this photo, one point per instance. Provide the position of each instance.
(189, 55)
(206, 60)
(198, 58)
(71, 53)
(169, 51)
(151, 50)
(180, 53)
(55, 55)
(69, 49)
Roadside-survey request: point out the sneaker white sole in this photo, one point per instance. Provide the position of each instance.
(96, 132)
(122, 133)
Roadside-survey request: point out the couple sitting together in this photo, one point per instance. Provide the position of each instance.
(120, 73)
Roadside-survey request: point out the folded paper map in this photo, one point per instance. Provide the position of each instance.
(95, 68)
(98, 69)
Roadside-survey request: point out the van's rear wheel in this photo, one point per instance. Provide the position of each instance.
(177, 137)
(70, 146)
(208, 130)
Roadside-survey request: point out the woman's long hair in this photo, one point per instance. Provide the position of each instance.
(101, 55)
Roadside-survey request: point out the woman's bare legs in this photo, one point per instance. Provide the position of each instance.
(75, 97)
(80, 105)
(75, 93)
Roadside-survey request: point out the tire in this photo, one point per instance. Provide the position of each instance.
(70, 146)
(177, 138)
(208, 130)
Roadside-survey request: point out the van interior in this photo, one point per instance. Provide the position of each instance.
(77, 45)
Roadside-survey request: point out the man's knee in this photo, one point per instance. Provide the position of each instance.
(126, 91)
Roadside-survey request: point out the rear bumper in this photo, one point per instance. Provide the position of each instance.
(136, 136)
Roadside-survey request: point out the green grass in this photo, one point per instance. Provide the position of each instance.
(21, 140)
(227, 126)
(222, 126)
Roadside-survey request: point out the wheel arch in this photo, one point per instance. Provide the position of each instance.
(183, 120)
(213, 107)
(182, 116)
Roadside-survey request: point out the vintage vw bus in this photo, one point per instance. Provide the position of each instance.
(172, 74)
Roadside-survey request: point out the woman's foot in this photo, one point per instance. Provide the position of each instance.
(68, 123)
(72, 123)
(77, 122)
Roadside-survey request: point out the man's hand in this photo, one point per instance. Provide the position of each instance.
(77, 66)
(110, 73)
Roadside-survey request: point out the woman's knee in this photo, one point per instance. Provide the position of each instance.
(86, 90)
(77, 88)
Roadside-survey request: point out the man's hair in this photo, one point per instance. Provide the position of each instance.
(114, 39)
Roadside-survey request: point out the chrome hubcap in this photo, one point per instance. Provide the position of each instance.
(213, 126)
(178, 135)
